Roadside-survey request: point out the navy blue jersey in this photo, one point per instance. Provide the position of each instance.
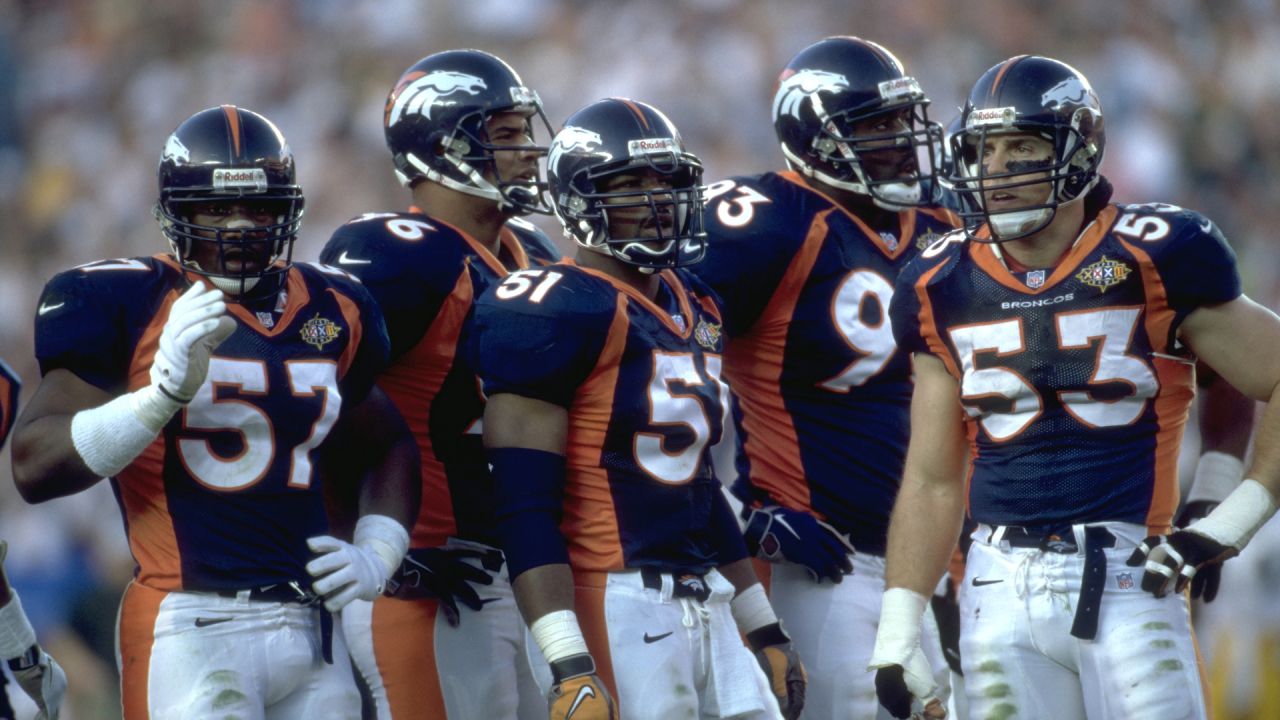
(641, 382)
(821, 387)
(227, 494)
(10, 385)
(425, 274)
(1075, 386)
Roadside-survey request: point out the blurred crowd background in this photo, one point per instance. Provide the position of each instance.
(91, 89)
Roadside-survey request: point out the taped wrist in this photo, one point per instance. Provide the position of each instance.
(901, 612)
(751, 609)
(16, 634)
(559, 636)
(1236, 519)
(111, 436)
(1217, 475)
(386, 538)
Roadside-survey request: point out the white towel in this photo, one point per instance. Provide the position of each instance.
(735, 677)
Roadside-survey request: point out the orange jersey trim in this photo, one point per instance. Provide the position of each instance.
(755, 370)
(985, 256)
(590, 521)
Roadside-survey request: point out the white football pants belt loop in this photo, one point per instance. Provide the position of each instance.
(1096, 540)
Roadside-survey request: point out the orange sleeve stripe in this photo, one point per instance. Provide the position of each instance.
(152, 538)
(755, 364)
(351, 313)
(590, 521)
(929, 329)
(1173, 404)
(412, 383)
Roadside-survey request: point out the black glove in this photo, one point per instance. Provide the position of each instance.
(443, 574)
(776, 533)
(1207, 579)
(1171, 561)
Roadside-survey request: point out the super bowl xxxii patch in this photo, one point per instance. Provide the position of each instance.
(707, 334)
(319, 331)
(1104, 273)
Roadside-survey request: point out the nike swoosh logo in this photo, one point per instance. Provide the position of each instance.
(655, 638)
(979, 583)
(206, 622)
(486, 601)
(345, 259)
(49, 308)
(584, 692)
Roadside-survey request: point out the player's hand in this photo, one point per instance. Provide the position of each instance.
(578, 693)
(344, 572)
(443, 574)
(197, 323)
(904, 679)
(776, 533)
(1171, 561)
(1208, 578)
(44, 682)
(782, 667)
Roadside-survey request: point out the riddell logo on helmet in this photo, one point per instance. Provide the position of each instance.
(900, 87)
(985, 117)
(651, 146)
(240, 179)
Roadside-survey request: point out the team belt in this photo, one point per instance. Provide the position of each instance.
(294, 592)
(1096, 540)
(684, 584)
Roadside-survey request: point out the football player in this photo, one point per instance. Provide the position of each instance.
(603, 377)
(204, 383)
(1054, 341)
(805, 260)
(463, 130)
(35, 671)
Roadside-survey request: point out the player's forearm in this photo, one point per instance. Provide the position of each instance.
(394, 486)
(1265, 467)
(542, 590)
(922, 533)
(741, 573)
(46, 464)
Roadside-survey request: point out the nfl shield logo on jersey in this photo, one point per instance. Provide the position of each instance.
(1124, 581)
(1035, 279)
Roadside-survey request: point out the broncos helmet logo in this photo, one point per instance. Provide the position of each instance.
(1071, 91)
(801, 86)
(422, 94)
(177, 152)
(574, 139)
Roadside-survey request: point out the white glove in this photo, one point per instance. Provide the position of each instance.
(344, 571)
(45, 683)
(198, 323)
(904, 677)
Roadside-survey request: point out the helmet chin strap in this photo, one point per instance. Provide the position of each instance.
(894, 197)
(1007, 224)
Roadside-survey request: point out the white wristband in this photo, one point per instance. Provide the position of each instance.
(558, 635)
(751, 609)
(901, 611)
(1236, 519)
(16, 633)
(385, 537)
(111, 436)
(1217, 474)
